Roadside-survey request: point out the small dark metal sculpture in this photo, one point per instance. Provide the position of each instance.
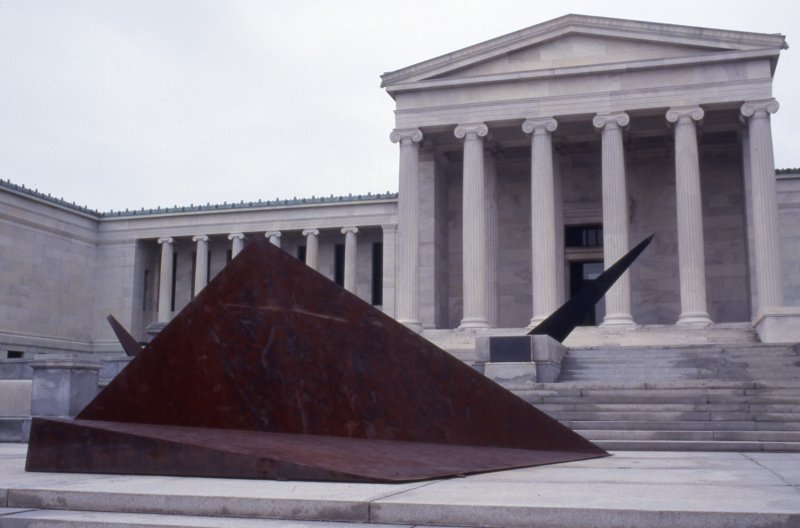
(274, 371)
(128, 342)
(564, 320)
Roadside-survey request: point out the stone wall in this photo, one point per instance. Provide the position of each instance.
(789, 221)
(47, 276)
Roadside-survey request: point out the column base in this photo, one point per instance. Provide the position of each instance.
(778, 325)
(535, 321)
(153, 329)
(618, 321)
(694, 320)
(415, 326)
(473, 323)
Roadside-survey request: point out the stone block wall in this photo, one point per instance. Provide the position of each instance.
(789, 222)
(46, 278)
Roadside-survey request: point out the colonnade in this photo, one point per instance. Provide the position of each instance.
(476, 246)
(237, 244)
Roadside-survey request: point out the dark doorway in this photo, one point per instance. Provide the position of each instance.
(579, 273)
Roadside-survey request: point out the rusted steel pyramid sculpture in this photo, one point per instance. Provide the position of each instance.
(273, 371)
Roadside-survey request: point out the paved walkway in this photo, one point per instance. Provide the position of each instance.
(629, 489)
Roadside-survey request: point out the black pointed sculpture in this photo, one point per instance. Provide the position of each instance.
(274, 371)
(564, 320)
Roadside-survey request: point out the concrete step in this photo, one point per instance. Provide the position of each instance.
(681, 425)
(651, 407)
(707, 435)
(695, 445)
(674, 415)
(22, 518)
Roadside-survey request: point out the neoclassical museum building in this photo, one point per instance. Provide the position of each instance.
(527, 164)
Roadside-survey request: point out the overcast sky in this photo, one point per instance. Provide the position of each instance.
(120, 104)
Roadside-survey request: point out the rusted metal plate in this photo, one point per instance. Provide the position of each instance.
(272, 346)
(204, 452)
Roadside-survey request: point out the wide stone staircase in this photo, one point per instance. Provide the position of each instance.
(730, 397)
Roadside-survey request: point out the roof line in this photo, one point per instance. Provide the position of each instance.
(278, 202)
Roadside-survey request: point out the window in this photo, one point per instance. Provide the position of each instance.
(583, 236)
(377, 273)
(145, 289)
(174, 280)
(338, 264)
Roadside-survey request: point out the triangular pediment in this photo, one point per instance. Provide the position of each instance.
(575, 42)
(573, 50)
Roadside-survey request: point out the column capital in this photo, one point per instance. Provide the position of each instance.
(469, 131)
(539, 125)
(200, 238)
(270, 234)
(612, 120)
(313, 232)
(684, 113)
(166, 240)
(240, 236)
(351, 229)
(759, 108)
(405, 135)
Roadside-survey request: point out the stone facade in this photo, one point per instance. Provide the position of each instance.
(608, 130)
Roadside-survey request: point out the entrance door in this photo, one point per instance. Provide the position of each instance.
(579, 273)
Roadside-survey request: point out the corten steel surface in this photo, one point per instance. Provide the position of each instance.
(564, 320)
(187, 451)
(272, 346)
(128, 342)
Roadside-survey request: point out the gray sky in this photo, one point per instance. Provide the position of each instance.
(140, 103)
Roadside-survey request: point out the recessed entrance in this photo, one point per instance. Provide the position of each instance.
(579, 273)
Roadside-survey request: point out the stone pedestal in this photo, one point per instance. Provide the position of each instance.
(62, 385)
(779, 325)
(518, 362)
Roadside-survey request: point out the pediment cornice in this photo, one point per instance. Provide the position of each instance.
(715, 41)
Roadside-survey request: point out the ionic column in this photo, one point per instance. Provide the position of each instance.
(765, 204)
(615, 215)
(490, 169)
(237, 243)
(350, 255)
(165, 280)
(475, 228)
(312, 247)
(691, 245)
(407, 291)
(543, 218)
(201, 263)
(274, 237)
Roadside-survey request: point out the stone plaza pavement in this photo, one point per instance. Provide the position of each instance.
(629, 489)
